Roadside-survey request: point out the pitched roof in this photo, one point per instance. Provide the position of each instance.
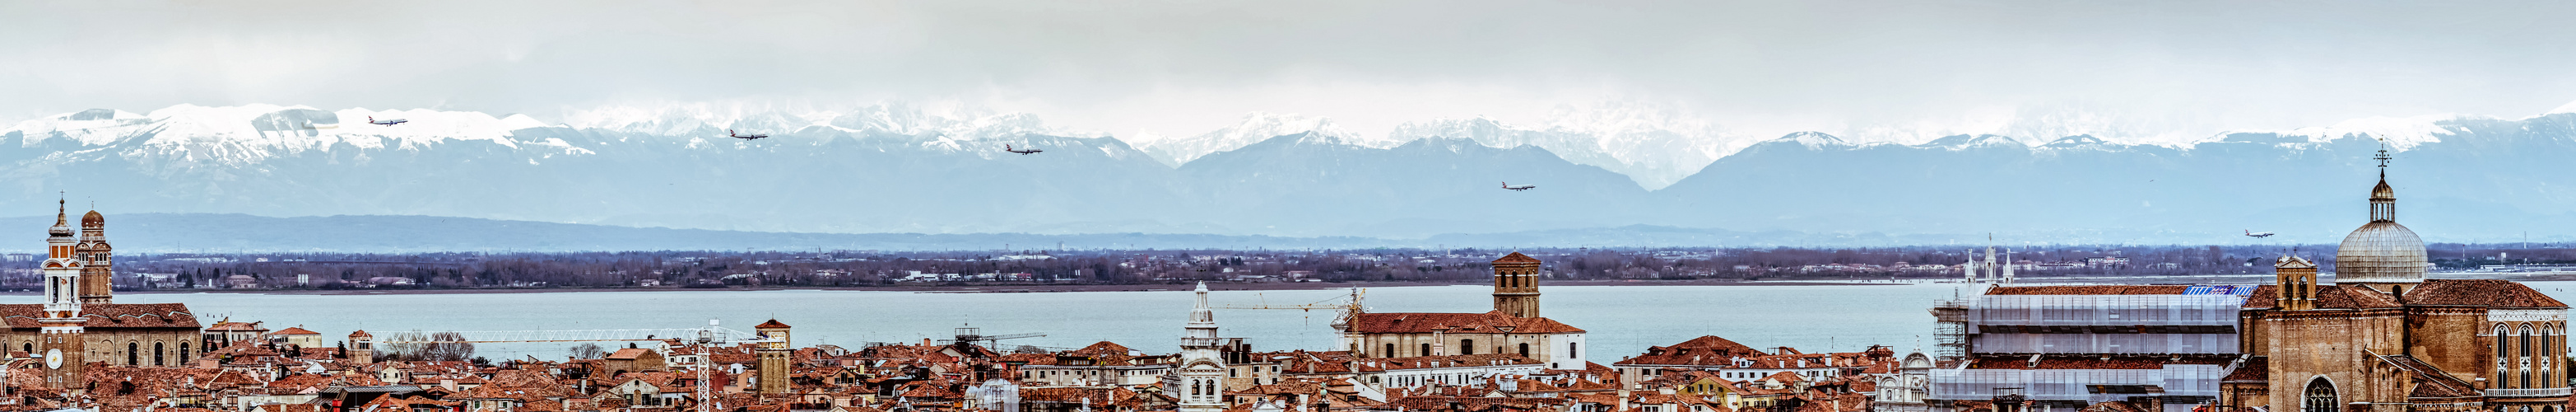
(1488, 322)
(2328, 297)
(108, 315)
(771, 324)
(1516, 257)
(294, 331)
(628, 353)
(1701, 351)
(2479, 292)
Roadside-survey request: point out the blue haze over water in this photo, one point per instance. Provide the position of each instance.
(1622, 320)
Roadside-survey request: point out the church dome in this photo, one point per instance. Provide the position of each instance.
(2380, 252)
(93, 220)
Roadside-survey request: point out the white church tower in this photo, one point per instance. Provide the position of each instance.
(1199, 383)
(60, 341)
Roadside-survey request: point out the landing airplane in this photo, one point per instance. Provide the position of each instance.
(387, 122)
(1509, 186)
(2252, 233)
(730, 133)
(1007, 148)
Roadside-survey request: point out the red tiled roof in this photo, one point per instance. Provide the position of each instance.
(771, 324)
(2479, 292)
(1701, 351)
(2328, 297)
(2258, 369)
(294, 331)
(1516, 257)
(109, 315)
(1488, 322)
(627, 354)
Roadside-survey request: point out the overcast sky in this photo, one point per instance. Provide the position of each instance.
(1892, 70)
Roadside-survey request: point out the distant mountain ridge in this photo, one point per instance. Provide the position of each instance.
(896, 168)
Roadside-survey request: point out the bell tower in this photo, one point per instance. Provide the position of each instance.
(2297, 280)
(59, 337)
(97, 274)
(773, 353)
(1199, 382)
(1516, 285)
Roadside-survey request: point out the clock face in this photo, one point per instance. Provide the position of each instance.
(53, 358)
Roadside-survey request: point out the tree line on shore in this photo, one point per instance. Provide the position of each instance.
(718, 269)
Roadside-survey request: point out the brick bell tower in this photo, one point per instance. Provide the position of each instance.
(97, 274)
(1516, 285)
(773, 355)
(59, 337)
(2297, 283)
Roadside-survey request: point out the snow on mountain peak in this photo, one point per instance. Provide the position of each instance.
(2570, 107)
(2400, 133)
(1812, 140)
(250, 132)
(1255, 127)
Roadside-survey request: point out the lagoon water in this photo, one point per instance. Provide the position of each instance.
(1622, 320)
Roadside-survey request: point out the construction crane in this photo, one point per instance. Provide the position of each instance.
(969, 335)
(1342, 320)
(704, 338)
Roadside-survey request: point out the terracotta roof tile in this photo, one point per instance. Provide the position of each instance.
(109, 315)
(1488, 322)
(1701, 351)
(2479, 292)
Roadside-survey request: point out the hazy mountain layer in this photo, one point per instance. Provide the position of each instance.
(898, 169)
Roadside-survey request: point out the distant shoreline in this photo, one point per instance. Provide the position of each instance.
(1013, 288)
(1229, 286)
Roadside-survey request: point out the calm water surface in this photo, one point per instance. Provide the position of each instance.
(1622, 320)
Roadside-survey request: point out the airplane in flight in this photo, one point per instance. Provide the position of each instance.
(1007, 148)
(730, 133)
(2252, 233)
(387, 122)
(1509, 186)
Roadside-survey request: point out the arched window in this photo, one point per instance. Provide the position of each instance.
(1524, 348)
(133, 353)
(30, 347)
(1570, 350)
(1390, 351)
(2320, 397)
(1426, 350)
(2525, 353)
(183, 352)
(2545, 363)
(2503, 351)
(156, 354)
(1466, 346)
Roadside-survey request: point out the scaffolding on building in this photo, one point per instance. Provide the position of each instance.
(1950, 332)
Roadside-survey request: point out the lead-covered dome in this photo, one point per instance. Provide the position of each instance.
(2380, 252)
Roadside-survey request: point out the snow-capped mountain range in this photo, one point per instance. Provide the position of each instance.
(939, 169)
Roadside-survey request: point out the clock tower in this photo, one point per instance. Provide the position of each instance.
(59, 337)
